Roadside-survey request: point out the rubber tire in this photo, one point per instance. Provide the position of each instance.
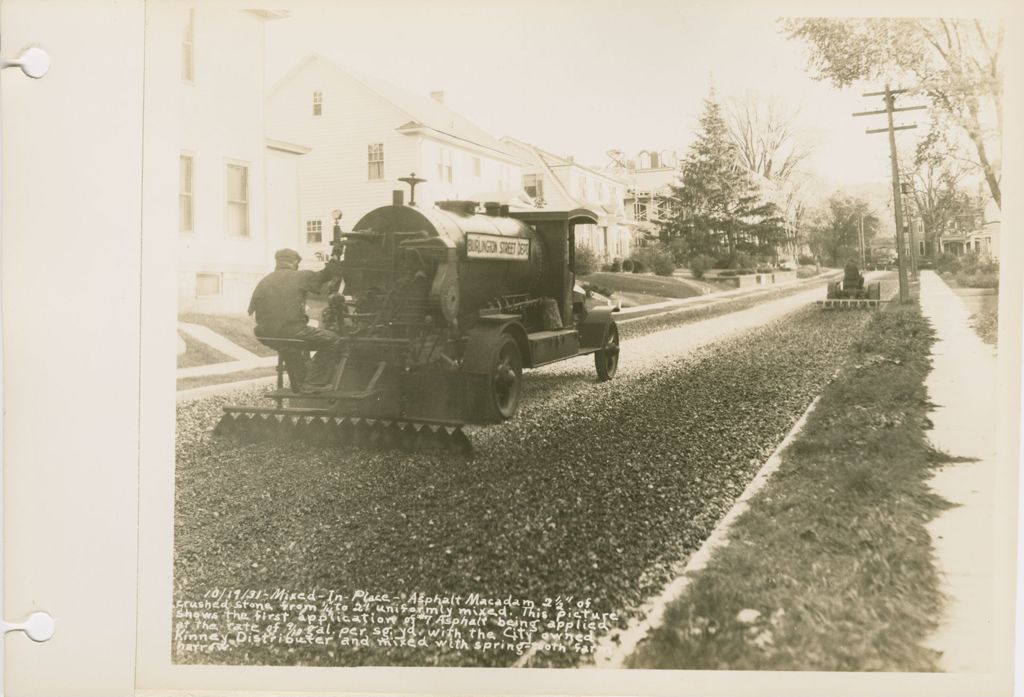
(606, 369)
(506, 359)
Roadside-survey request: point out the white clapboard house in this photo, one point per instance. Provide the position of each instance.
(560, 183)
(215, 182)
(365, 134)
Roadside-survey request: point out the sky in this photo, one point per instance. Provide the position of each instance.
(581, 78)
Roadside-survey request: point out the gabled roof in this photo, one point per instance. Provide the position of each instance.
(424, 113)
(560, 196)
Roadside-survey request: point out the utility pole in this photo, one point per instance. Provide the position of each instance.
(906, 189)
(863, 256)
(890, 108)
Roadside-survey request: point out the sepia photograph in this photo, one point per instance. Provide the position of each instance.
(628, 348)
(492, 362)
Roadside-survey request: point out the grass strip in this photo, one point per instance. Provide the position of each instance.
(239, 376)
(830, 568)
(198, 353)
(634, 327)
(236, 329)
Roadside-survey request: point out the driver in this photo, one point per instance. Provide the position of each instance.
(279, 304)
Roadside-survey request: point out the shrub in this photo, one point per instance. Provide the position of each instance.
(974, 263)
(806, 260)
(977, 280)
(742, 260)
(806, 271)
(657, 258)
(680, 251)
(627, 265)
(699, 264)
(947, 263)
(591, 288)
(586, 261)
(616, 265)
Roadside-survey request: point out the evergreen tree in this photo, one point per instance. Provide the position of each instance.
(720, 211)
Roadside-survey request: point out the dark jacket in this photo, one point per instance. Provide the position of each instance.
(279, 300)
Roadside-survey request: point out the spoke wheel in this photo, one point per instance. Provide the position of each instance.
(606, 360)
(506, 378)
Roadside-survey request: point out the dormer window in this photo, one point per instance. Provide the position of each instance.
(318, 103)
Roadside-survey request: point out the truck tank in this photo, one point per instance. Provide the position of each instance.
(469, 259)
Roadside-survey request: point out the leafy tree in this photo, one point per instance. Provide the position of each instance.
(955, 62)
(936, 192)
(835, 229)
(721, 211)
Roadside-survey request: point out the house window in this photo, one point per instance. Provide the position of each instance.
(314, 232)
(444, 165)
(583, 187)
(375, 158)
(533, 185)
(185, 217)
(318, 103)
(238, 200)
(600, 191)
(187, 62)
(476, 166)
(207, 285)
(920, 247)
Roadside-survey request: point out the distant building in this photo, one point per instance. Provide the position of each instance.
(554, 182)
(235, 188)
(649, 176)
(977, 232)
(365, 134)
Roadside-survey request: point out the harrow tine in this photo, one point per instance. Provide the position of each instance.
(346, 432)
(361, 432)
(459, 443)
(227, 426)
(392, 435)
(407, 437)
(262, 427)
(316, 431)
(375, 436)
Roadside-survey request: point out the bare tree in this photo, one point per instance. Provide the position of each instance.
(766, 136)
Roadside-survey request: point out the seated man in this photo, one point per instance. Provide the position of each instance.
(279, 303)
(852, 278)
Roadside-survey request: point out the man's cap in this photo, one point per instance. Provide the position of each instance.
(287, 255)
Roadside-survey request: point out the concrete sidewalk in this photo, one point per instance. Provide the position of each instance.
(962, 385)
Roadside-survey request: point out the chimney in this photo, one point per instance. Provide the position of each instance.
(437, 96)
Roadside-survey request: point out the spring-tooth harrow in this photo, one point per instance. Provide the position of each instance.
(256, 425)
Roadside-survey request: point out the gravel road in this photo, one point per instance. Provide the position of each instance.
(593, 490)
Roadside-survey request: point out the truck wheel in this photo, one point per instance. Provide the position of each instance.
(606, 360)
(506, 378)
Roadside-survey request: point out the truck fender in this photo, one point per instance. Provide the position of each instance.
(593, 327)
(482, 339)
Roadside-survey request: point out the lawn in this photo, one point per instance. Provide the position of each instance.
(830, 568)
(204, 380)
(655, 288)
(236, 329)
(198, 353)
